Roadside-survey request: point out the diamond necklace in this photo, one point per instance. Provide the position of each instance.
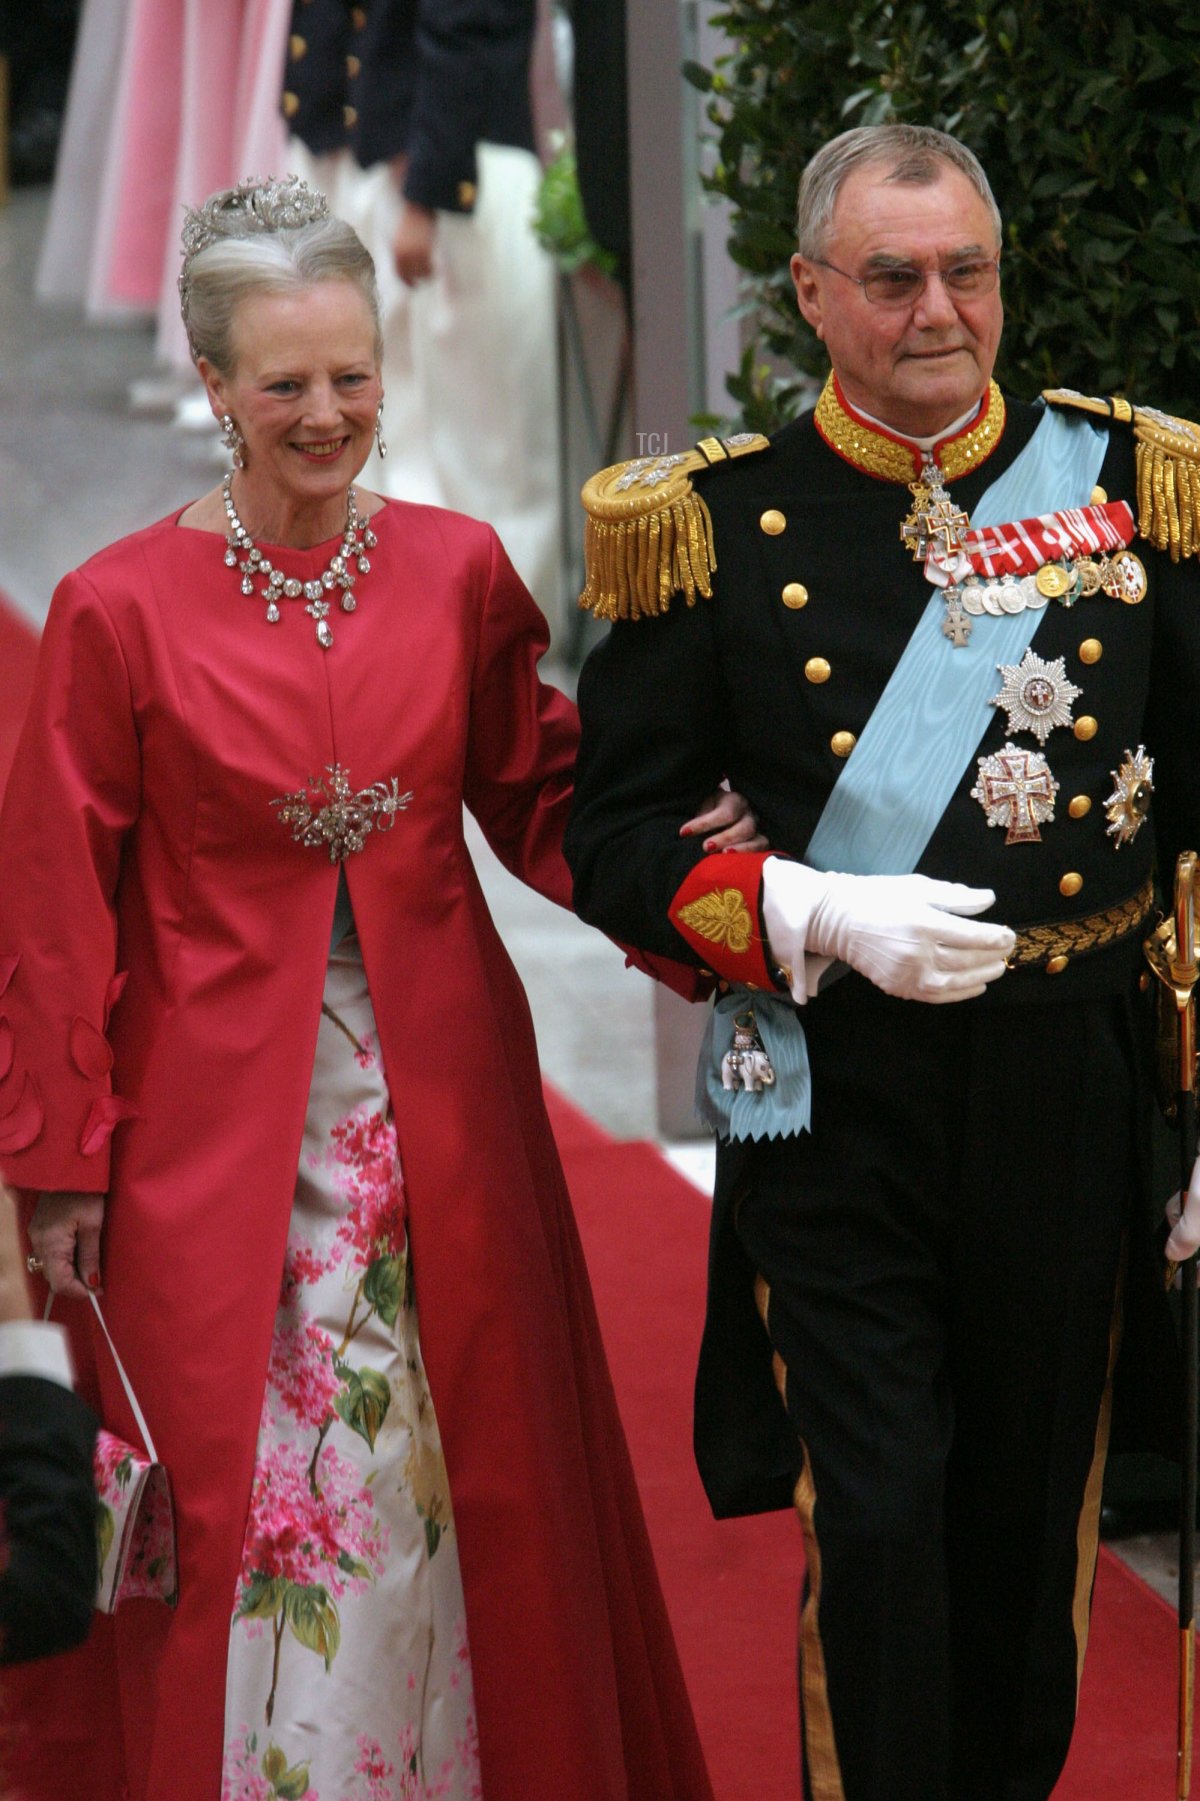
(357, 539)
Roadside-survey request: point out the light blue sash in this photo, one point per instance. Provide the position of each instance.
(908, 763)
(900, 777)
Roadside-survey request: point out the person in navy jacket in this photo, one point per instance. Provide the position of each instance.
(47, 1499)
(417, 82)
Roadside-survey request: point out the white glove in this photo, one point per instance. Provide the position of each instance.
(905, 933)
(1184, 1221)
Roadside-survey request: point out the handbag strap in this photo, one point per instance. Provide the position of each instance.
(126, 1384)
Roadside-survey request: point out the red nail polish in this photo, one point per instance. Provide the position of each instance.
(93, 1281)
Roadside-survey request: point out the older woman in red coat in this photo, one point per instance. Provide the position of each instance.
(247, 940)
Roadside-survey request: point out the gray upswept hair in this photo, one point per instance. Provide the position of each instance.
(916, 154)
(263, 238)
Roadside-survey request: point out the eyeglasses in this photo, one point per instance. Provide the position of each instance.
(902, 286)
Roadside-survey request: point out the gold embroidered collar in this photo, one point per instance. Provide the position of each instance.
(892, 458)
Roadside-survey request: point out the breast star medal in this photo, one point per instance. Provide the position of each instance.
(1016, 790)
(1036, 695)
(1129, 802)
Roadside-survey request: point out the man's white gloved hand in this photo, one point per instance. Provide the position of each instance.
(1184, 1221)
(906, 933)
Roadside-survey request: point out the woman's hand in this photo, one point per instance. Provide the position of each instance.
(728, 817)
(65, 1234)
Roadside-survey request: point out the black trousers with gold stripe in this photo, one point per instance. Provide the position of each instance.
(939, 1267)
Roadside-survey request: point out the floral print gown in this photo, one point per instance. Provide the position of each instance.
(349, 1675)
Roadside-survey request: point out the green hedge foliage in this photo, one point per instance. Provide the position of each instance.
(1087, 119)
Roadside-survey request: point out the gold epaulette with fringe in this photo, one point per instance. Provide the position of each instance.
(1168, 469)
(649, 534)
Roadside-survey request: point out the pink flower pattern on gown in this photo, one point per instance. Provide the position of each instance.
(349, 1672)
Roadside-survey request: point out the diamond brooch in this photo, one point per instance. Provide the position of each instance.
(328, 815)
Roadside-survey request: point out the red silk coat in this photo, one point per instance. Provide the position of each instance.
(137, 836)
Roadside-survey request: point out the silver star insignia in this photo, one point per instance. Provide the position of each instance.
(1036, 695)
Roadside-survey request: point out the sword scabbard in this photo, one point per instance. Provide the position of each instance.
(1171, 952)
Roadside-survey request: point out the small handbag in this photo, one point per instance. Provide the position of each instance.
(135, 1516)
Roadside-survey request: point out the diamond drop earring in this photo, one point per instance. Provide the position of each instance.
(233, 440)
(379, 443)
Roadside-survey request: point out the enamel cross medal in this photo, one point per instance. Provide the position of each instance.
(935, 531)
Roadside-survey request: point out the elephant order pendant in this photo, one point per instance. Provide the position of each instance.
(746, 1065)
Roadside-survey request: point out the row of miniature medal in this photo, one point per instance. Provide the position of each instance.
(1064, 557)
(1015, 787)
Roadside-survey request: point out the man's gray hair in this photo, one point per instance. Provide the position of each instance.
(913, 153)
(263, 237)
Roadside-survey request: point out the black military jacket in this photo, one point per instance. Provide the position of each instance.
(745, 685)
(759, 682)
(426, 79)
(47, 1518)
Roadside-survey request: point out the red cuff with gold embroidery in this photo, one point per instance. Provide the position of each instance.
(715, 908)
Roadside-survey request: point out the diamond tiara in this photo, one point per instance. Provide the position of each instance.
(251, 208)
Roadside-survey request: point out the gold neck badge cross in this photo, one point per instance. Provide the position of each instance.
(934, 519)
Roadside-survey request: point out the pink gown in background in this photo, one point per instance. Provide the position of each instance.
(169, 100)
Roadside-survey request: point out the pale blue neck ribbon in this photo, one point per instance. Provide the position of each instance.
(907, 765)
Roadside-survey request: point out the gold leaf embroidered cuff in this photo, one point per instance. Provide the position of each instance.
(715, 909)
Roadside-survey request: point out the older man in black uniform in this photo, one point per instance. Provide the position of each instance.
(940, 639)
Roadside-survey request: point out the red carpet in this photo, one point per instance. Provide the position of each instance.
(732, 1586)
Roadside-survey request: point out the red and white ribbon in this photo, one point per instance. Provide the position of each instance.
(1024, 545)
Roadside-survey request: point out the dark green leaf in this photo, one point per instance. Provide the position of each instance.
(383, 1287)
(364, 1401)
(313, 1618)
